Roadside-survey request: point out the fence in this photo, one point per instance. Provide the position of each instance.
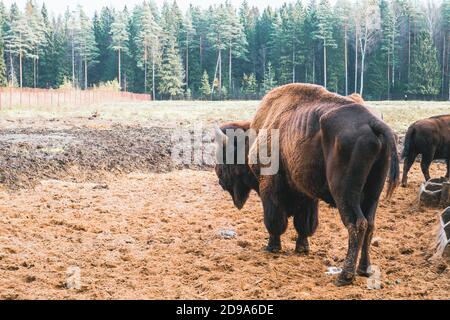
(28, 97)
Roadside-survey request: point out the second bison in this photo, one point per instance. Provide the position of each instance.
(330, 149)
(430, 138)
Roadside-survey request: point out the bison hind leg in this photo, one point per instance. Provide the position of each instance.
(305, 222)
(350, 170)
(407, 164)
(427, 158)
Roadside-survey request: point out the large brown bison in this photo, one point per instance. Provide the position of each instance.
(330, 149)
(430, 138)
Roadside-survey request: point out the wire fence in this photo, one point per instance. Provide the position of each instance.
(30, 97)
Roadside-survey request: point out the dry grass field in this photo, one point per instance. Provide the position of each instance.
(94, 190)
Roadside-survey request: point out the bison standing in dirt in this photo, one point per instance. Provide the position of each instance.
(330, 149)
(430, 138)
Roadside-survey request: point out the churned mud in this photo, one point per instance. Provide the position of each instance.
(161, 236)
(28, 155)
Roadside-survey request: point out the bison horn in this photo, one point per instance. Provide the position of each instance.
(220, 136)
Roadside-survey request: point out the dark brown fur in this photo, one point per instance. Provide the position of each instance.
(331, 149)
(430, 138)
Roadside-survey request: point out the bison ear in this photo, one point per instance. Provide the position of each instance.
(221, 138)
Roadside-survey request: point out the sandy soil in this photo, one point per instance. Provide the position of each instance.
(157, 236)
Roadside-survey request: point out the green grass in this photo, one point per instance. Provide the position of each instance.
(398, 114)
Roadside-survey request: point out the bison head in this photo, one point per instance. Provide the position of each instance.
(232, 167)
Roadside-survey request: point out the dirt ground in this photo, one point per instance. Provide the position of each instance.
(98, 195)
(158, 236)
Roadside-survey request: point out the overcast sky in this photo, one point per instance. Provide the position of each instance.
(90, 6)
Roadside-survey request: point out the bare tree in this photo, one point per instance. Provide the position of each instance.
(370, 25)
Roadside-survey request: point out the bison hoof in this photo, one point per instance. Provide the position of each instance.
(273, 248)
(363, 272)
(302, 251)
(344, 279)
(302, 248)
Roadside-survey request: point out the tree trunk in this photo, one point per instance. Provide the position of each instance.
(73, 63)
(409, 47)
(388, 76)
(356, 61)
(220, 74)
(145, 69)
(11, 67)
(153, 75)
(215, 75)
(229, 70)
(187, 61)
(448, 76)
(324, 64)
(346, 60)
(119, 72)
(20, 67)
(314, 69)
(264, 60)
(85, 74)
(293, 61)
(201, 53)
(363, 57)
(393, 57)
(443, 69)
(34, 72)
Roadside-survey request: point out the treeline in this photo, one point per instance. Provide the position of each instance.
(383, 49)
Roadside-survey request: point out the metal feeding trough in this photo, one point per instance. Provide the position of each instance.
(443, 238)
(435, 193)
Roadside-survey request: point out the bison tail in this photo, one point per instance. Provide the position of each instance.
(394, 171)
(380, 128)
(407, 142)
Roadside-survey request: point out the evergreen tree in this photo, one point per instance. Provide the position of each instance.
(171, 73)
(205, 88)
(148, 42)
(38, 34)
(18, 42)
(425, 75)
(325, 32)
(219, 36)
(86, 43)
(52, 65)
(189, 33)
(119, 43)
(3, 78)
(373, 43)
(249, 86)
(237, 42)
(106, 68)
(310, 29)
(269, 81)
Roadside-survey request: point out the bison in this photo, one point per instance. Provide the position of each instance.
(330, 149)
(430, 138)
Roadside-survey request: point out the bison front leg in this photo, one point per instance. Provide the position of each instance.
(275, 221)
(305, 222)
